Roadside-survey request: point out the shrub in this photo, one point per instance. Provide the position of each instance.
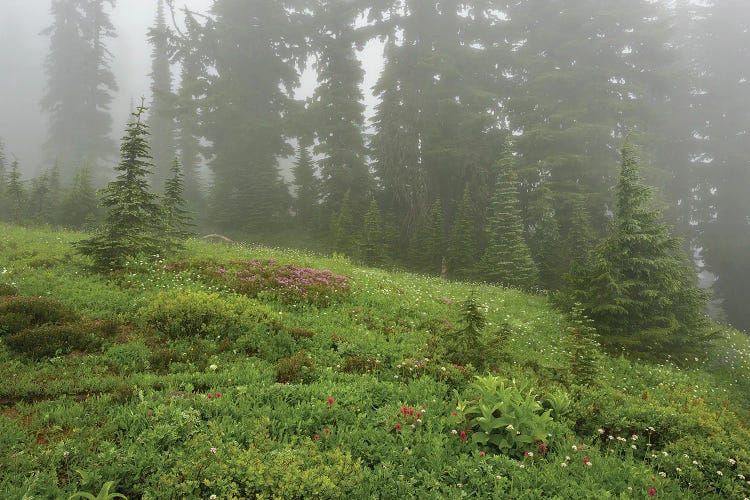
(8, 290)
(361, 364)
(297, 368)
(53, 339)
(187, 313)
(506, 417)
(19, 313)
(127, 358)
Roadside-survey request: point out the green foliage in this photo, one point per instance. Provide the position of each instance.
(507, 259)
(79, 206)
(8, 290)
(104, 493)
(371, 242)
(464, 251)
(638, 287)
(18, 313)
(57, 339)
(185, 314)
(177, 220)
(306, 205)
(132, 357)
(467, 344)
(343, 230)
(585, 355)
(297, 368)
(133, 224)
(506, 417)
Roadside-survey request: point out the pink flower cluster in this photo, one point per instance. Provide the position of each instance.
(289, 283)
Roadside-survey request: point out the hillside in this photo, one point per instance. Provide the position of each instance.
(244, 372)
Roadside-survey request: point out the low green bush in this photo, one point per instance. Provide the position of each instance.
(297, 368)
(18, 313)
(50, 340)
(7, 290)
(179, 314)
(132, 357)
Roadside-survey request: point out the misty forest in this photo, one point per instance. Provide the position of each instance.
(376, 249)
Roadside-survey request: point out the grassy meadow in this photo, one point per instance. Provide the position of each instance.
(250, 372)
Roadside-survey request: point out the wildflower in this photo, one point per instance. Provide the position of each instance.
(695, 462)
(542, 448)
(575, 448)
(610, 437)
(634, 437)
(665, 453)
(209, 395)
(326, 431)
(218, 394)
(419, 420)
(663, 474)
(482, 453)
(586, 461)
(460, 485)
(740, 477)
(316, 436)
(330, 401)
(213, 450)
(567, 458)
(463, 435)
(510, 427)
(454, 432)
(600, 431)
(719, 473)
(398, 426)
(732, 461)
(66, 454)
(633, 446)
(406, 449)
(212, 497)
(528, 454)
(652, 492)
(678, 469)
(564, 464)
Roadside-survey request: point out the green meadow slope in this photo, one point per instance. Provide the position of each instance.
(250, 372)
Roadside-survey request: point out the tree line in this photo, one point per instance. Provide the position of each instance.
(494, 143)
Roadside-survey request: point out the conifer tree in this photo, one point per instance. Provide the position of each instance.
(546, 240)
(343, 230)
(308, 189)
(3, 179)
(584, 352)
(427, 247)
(464, 241)
(161, 119)
(79, 207)
(16, 195)
(371, 242)
(79, 83)
(638, 286)
(39, 204)
(176, 218)
(507, 259)
(133, 223)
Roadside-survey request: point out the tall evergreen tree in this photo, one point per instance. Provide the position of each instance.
(161, 118)
(79, 83)
(254, 47)
(343, 229)
(638, 286)
(507, 259)
(3, 178)
(464, 247)
(133, 223)
(191, 54)
(176, 218)
(16, 195)
(79, 207)
(371, 244)
(39, 206)
(545, 241)
(338, 109)
(720, 50)
(307, 185)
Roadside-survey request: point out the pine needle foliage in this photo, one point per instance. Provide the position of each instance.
(371, 240)
(507, 259)
(585, 350)
(134, 220)
(638, 286)
(177, 219)
(466, 346)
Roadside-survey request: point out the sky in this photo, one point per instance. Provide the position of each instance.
(23, 50)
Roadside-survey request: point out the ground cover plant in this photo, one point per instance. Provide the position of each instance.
(292, 375)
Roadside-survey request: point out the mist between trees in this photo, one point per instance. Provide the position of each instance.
(491, 154)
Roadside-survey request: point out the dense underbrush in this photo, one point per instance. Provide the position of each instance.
(249, 372)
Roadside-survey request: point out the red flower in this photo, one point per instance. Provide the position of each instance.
(330, 401)
(525, 453)
(209, 395)
(481, 453)
(542, 448)
(327, 431)
(652, 492)
(218, 394)
(419, 414)
(585, 460)
(315, 436)
(463, 435)
(398, 426)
